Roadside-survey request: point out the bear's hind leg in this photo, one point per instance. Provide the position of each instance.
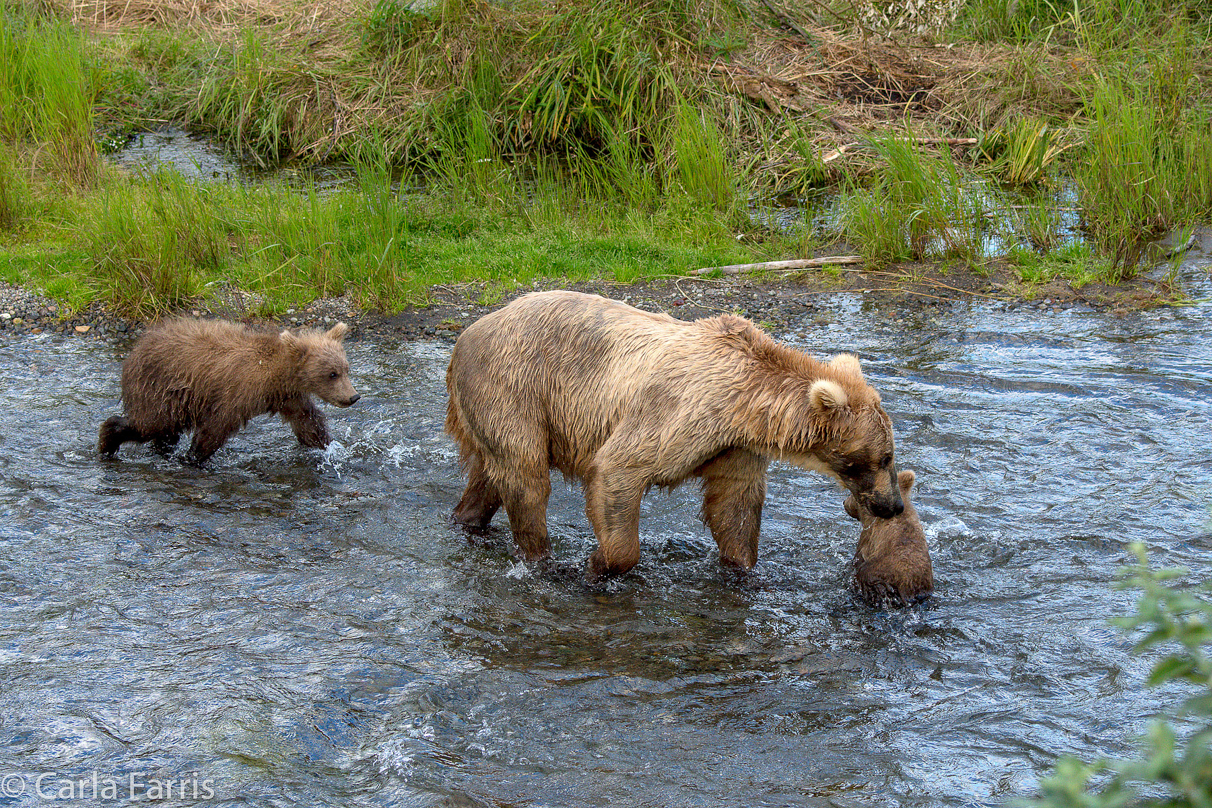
(165, 442)
(207, 440)
(734, 490)
(525, 499)
(308, 423)
(114, 432)
(481, 498)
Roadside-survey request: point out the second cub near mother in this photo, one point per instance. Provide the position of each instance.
(625, 399)
(211, 377)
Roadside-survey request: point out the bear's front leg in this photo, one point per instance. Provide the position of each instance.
(307, 422)
(114, 432)
(734, 490)
(612, 502)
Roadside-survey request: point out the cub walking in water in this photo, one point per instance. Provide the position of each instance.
(211, 377)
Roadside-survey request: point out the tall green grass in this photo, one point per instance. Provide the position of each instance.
(257, 97)
(159, 242)
(46, 95)
(702, 164)
(1144, 169)
(919, 205)
(14, 190)
(154, 242)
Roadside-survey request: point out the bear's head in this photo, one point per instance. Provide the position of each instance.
(858, 449)
(322, 368)
(892, 562)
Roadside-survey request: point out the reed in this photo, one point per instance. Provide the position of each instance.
(702, 164)
(46, 95)
(919, 206)
(14, 190)
(153, 242)
(256, 96)
(1130, 176)
(1024, 153)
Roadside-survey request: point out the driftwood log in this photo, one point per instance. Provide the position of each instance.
(796, 263)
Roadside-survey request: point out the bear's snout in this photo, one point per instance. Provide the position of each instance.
(349, 402)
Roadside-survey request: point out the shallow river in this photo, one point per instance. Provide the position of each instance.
(295, 627)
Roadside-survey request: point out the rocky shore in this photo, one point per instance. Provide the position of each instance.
(770, 301)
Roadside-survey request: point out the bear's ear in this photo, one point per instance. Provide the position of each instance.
(826, 394)
(847, 363)
(851, 506)
(905, 481)
(290, 340)
(338, 332)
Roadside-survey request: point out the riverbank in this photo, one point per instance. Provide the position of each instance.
(500, 144)
(770, 299)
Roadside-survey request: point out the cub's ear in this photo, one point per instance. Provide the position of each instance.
(847, 363)
(290, 340)
(826, 394)
(905, 481)
(338, 332)
(851, 506)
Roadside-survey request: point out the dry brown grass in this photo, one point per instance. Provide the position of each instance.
(853, 85)
(113, 14)
(836, 89)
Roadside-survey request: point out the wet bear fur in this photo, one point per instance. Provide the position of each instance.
(892, 563)
(624, 399)
(210, 377)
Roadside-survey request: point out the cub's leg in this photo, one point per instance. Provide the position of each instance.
(481, 498)
(119, 430)
(734, 489)
(116, 431)
(307, 422)
(165, 442)
(208, 438)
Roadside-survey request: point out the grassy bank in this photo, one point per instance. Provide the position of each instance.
(580, 140)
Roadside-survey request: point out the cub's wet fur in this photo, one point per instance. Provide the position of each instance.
(892, 563)
(210, 377)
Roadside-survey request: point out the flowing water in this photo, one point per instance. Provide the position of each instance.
(295, 627)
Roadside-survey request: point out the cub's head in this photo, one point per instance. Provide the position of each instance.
(892, 562)
(323, 369)
(856, 437)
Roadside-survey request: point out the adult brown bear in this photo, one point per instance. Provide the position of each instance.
(211, 377)
(623, 399)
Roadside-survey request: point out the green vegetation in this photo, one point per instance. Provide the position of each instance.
(1176, 767)
(153, 243)
(579, 139)
(46, 95)
(919, 207)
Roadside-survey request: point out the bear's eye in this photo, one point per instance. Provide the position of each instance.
(334, 375)
(852, 470)
(886, 461)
